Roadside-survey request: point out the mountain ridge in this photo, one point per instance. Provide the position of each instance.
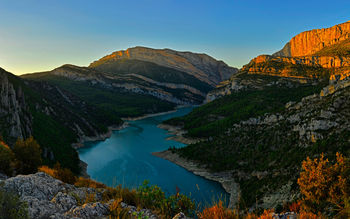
(184, 61)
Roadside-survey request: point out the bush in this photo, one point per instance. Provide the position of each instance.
(63, 174)
(153, 197)
(11, 207)
(6, 158)
(84, 182)
(28, 155)
(218, 211)
(325, 187)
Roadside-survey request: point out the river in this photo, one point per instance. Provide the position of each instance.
(125, 158)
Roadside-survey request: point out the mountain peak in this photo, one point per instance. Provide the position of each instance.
(201, 66)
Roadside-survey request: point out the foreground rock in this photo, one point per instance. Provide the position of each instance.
(48, 197)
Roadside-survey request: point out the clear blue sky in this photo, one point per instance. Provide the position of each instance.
(39, 35)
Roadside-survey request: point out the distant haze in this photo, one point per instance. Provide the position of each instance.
(39, 35)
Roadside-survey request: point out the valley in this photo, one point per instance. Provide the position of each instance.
(269, 137)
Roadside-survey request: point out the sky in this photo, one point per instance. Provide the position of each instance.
(40, 35)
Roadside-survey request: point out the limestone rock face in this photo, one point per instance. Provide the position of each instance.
(322, 61)
(48, 197)
(295, 66)
(310, 42)
(201, 66)
(13, 110)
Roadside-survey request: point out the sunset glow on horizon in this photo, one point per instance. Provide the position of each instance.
(38, 35)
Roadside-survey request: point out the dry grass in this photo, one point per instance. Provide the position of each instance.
(84, 182)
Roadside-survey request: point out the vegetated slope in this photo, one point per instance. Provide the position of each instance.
(264, 152)
(256, 95)
(99, 90)
(53, 116)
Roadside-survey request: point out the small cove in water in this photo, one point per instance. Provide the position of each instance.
(125, 158)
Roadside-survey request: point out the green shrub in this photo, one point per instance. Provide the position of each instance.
(11, 207)
(6, 157)
(153, 197)
(28, 155)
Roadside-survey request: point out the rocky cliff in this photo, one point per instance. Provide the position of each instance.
(15, 120)
(201, 66)
(309, 42)
(322, 54)
(321, 67)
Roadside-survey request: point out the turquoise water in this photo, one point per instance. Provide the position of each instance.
(125, 158)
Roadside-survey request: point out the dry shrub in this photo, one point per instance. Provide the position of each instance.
(84, 182)
(266, 215)
(218, 212)
(309, 215)
(295, 206)
(325, 185)
(90, 197)
(116, 211)
(47, 170)
(63, 174)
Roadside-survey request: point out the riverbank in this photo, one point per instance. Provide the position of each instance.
(177, 134)
(99, 137)
(224, 178)
(153, 114)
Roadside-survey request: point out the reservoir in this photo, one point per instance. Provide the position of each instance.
(125, 158)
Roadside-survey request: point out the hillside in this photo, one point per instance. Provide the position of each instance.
(54, 117)
(253, 95)
(262, 122)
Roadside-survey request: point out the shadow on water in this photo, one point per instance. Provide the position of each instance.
(125, 158)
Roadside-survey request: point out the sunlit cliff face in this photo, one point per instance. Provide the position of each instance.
(309, 42)
(320, 53)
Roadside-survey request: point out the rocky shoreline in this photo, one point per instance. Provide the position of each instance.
(99, 137)
(177, 134)
(224, 178)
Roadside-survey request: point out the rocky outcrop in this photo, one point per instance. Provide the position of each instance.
(51, 198)
(201, 66)
(321, 61)
(309, 42)
(300, 67)
(243, 81)
(15, 120)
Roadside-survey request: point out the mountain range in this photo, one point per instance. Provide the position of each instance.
(72, 104)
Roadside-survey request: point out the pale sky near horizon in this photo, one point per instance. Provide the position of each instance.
(39, 35)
